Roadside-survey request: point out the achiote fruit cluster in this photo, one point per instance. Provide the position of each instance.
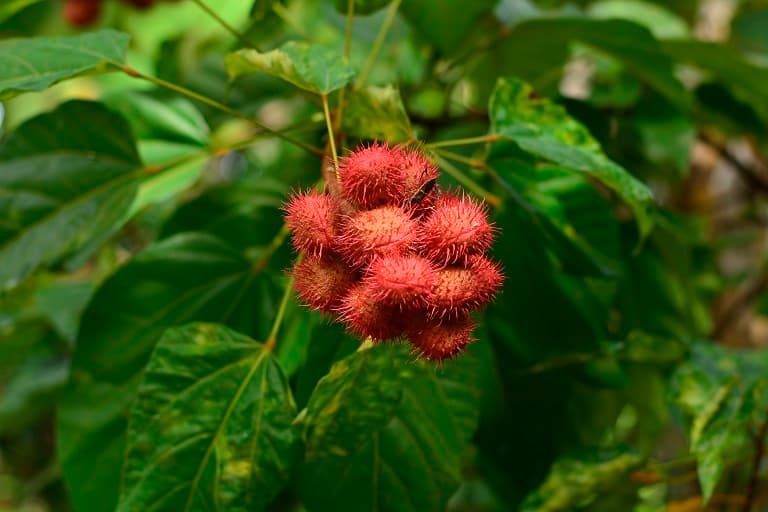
(393, 256)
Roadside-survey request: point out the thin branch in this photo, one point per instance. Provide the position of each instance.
(331, 137)
(750, 292)
(747, 173)
(454, 172)
(229, 28)
(377, 44)
(219, 106)
(465, 142)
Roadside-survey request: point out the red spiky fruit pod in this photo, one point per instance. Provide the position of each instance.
(461, 290)
(456, 228)
(402, 280)
(82, 12)
(366, 316)
(419, 177)
(438, 341)
(370, 176)
(322, 283)
(311, 217)
(378, 232)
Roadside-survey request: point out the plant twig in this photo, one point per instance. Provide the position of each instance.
(331, 137)
(452, 171)
(219, 106)
(747, 173)
(492, 137)
(229, 28)
(393, 7)
(347, 48)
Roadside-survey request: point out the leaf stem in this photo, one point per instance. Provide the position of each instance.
(331, 137)
(221, 21)
(221, 107)
(347, 47)
(377, 44)
(492, 137)
(452, 171)
(272, 339)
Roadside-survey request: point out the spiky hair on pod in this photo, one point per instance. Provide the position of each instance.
(402, 280)
(322, 283)
(462, 289)
(370, 176)
(438, 341)
(311, 217)
(378, 232)
(366, 316)
(456, 228)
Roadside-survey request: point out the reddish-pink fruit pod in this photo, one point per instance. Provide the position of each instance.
(370, 176)
(456, 228)
(311, 217)
(322, 283)
(365, 316)
(141, 4)
(461, 290)
(81, 13)
(419, 176)
(403, 280)
(438, 341)
(378, 232)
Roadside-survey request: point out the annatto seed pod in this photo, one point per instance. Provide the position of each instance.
(322, 283)
(378, 232)
(401, 280)
(438, 341)
(140, 4)
(370, 176)
(311, 217)
(460, 290)
(81, 12)
(419, 176)
(456, 228)
(365, 316)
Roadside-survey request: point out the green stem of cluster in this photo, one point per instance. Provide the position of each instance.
(221, 21)
(347, 48)
(272, 339)
(377, 44)
(454, 172)
(331, 137)
(465, 142)
(221, 107)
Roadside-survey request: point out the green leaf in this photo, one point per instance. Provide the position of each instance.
(575, 480)
(545, 130)
(211, 428)
(185, 278)
(377, 113)
(743, 78)
(387, 434)
(661, 22)
(61, 187)
(34, 64)
(310, 67)
(725, 394)
(445, 24)
(11, 7)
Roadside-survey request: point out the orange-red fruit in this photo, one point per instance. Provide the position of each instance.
(378, 232)
(456, 228)
(311, 218)
(460, 290)
(365, 316)
(322, 283)
(438, 341)
(81, 12)
(401, 280)
(419, 176)
(141, 4)
(370, 176)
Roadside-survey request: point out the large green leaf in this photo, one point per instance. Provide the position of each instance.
(386, 433)
(188, 277)
(725, 395)
(575, 480)
(34, 64)
(60, 187)
(445, 24)
(310, 67)
(211, 428)
(546, 131)
(744, 79)
(377, 113)
(633, 46)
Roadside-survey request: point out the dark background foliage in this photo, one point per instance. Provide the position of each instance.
(153, 355)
